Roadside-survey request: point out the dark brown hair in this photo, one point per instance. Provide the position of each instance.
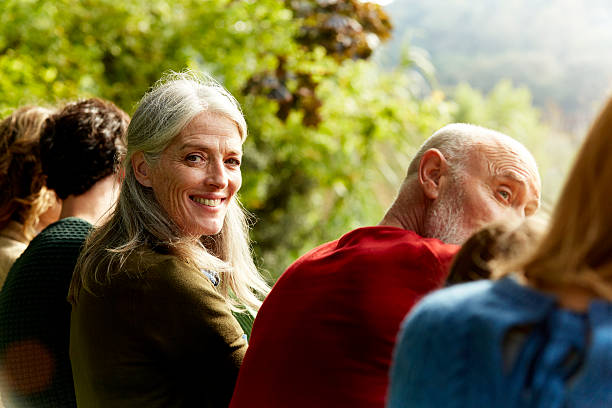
(82, 144)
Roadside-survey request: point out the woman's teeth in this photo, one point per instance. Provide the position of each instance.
(206, 201)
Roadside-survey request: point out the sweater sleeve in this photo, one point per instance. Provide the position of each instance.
(189, 323)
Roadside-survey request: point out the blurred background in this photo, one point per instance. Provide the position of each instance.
(338, 94)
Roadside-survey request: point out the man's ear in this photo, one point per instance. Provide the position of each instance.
(141, 169)
(432, 167)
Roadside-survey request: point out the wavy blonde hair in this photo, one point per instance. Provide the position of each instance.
(25, 196)
(139, 221)
(577, 248)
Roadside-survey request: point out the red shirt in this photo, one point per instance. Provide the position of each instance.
(325, 334)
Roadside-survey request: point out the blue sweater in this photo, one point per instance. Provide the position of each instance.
(501, 344)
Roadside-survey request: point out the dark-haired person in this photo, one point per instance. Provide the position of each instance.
(80, 150)
(541, 336)
(26, 205)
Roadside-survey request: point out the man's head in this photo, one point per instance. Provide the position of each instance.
(469, 176)
(82, 144)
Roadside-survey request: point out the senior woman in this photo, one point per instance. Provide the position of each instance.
(26, 205)
(155, 286)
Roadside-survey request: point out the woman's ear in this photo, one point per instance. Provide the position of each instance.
(432, 167)
(141, 169)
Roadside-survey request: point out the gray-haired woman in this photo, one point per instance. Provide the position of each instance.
(153, 291)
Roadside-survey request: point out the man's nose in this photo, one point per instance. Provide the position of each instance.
(520, 212)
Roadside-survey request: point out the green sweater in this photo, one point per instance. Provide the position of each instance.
(159, 336)
(35, 318)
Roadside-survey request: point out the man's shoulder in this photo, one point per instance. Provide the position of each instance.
(380, 239)
(67, 226)
(67, 231)
(387, 239)
(55, 248)
(375, 248)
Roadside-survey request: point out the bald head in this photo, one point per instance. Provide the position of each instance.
(457, 141)
(467, 176)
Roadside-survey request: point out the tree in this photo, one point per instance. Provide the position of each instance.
(330, 133)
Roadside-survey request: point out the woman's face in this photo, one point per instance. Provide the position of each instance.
(199, 173)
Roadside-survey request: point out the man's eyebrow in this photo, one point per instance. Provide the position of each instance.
(513, 175)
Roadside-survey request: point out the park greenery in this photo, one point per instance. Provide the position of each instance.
(330, 131)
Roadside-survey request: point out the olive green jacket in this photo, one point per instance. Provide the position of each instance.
(158, 336)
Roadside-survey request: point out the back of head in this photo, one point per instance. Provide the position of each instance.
(82, 144)
(24, 196)
(457, 140)
(500, 242)
(578, 246)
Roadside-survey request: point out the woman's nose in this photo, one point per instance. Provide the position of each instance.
(217, 175)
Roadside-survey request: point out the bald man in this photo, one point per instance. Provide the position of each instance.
(325, 334)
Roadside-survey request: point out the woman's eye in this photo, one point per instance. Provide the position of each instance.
(194, 158)
(233, 161)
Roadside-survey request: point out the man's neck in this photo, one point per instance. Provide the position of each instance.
(406, 213)
(93, 205)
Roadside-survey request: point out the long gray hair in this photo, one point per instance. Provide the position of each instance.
(139, 220)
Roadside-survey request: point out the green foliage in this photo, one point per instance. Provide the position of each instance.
(314, 184)
(61, 49)
(307, 179)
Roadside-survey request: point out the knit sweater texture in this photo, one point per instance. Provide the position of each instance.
(35, 318)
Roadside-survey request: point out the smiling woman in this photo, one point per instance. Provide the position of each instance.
(197, 175)
(154, 288)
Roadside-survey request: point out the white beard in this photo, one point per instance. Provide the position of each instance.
(445, 218)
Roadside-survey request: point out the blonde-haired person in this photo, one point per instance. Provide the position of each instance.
(155, 286)
(26, 205)
(538, 337)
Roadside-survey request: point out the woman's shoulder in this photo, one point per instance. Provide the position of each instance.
(153, 270)
(501, 302)
(448, 300)
(151, 264)
(144, 259)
